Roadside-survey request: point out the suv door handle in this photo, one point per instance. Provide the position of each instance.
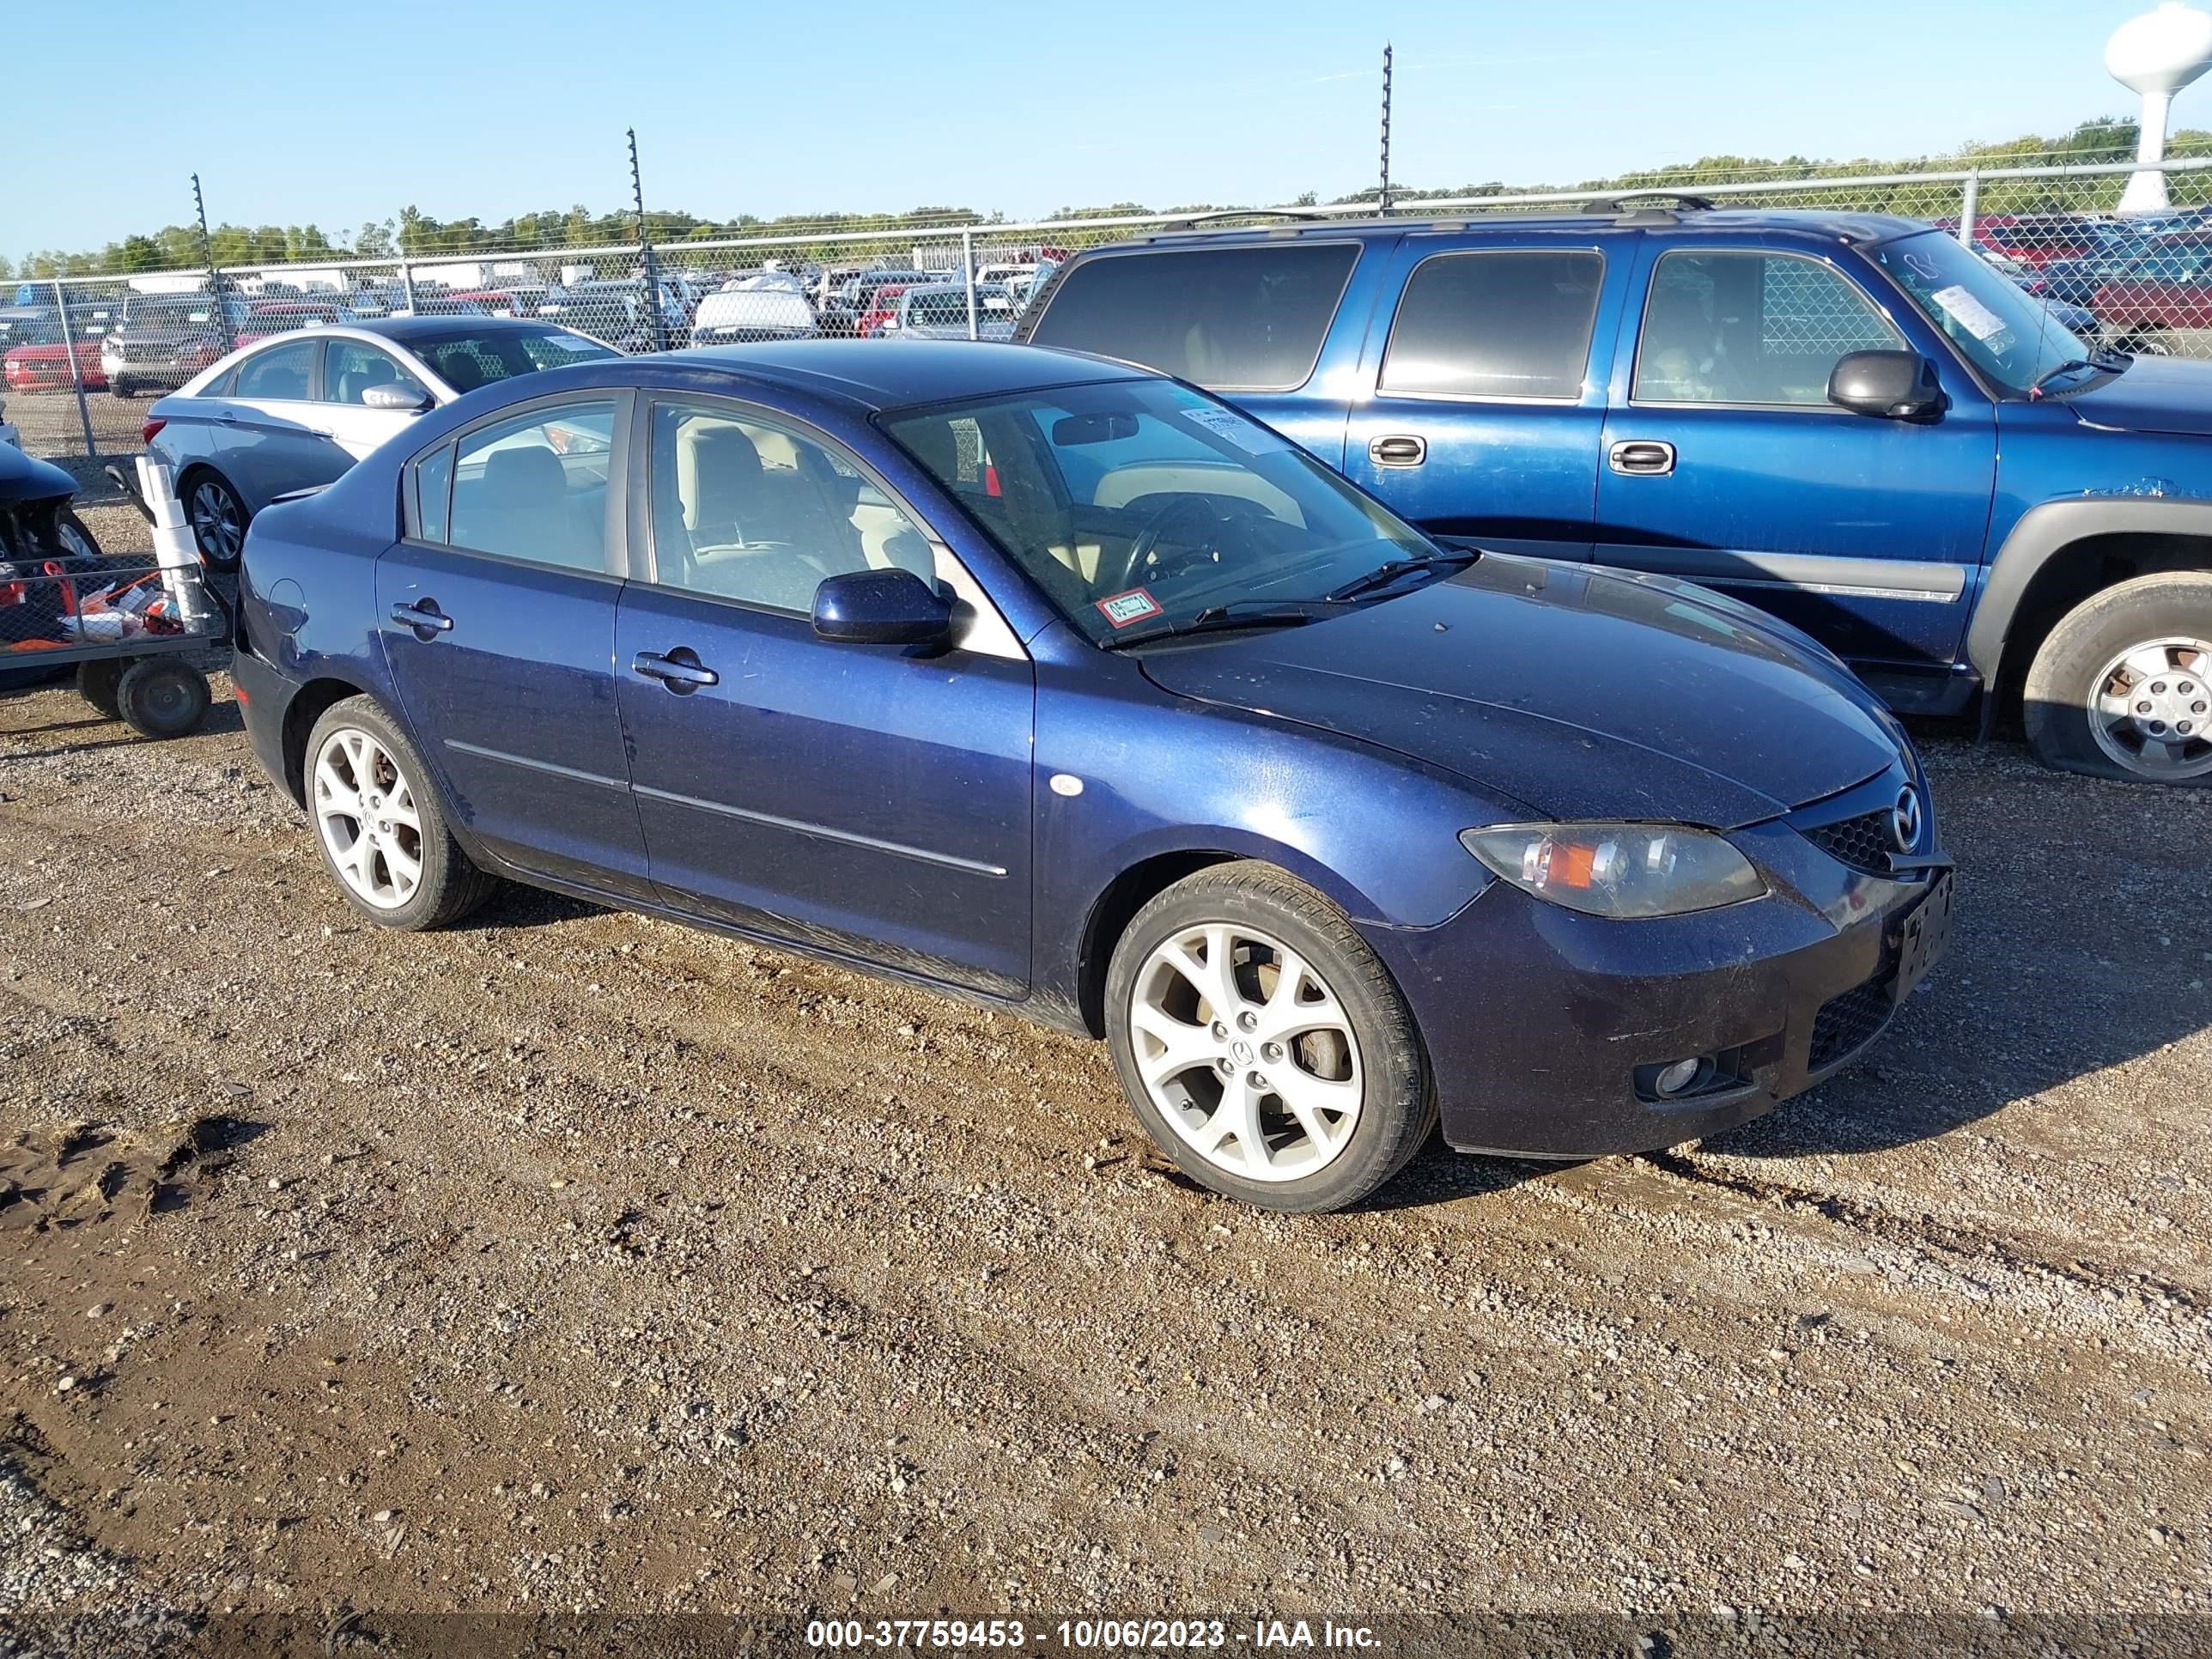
(1398, 449)
(1642, 458)
(680, 670)
(423, 617)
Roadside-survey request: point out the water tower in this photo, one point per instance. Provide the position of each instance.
(2157, 54)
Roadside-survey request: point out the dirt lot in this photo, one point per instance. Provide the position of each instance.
(575, 1261)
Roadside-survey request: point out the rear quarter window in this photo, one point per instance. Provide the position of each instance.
(1228, 319)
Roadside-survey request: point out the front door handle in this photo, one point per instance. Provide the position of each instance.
(1398, 449)
(679, 670)
(1642, 458)
(423, 617)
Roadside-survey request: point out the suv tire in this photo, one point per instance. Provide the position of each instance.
(1267, 917)
(2086, 661)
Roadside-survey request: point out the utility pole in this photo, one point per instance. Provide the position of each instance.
(214, 276)
(645, 246)
(1385, 198)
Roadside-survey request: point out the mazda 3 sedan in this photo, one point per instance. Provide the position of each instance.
(1054, 682)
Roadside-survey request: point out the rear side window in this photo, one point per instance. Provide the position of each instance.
(1229, 318)
(536, 488)
(1502, 323)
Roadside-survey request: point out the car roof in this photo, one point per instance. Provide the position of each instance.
(1862, 228)
(868, 374)
(405, 331)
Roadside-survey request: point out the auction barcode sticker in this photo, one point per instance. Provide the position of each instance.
(1132, 606)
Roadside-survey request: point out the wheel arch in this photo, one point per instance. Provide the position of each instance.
(1113, 910)
(2061, 552)
(309, 704)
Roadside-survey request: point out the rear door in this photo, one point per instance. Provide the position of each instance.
(1249, 320)
(1484, 375)
(497, 616)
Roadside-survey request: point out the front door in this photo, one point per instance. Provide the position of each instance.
(1724, 462)
(873, 801)
(498, 623)
(1486, 413)
(349, 368)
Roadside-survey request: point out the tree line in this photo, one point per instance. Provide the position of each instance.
(416, 233)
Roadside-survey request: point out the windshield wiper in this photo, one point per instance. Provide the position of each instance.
(1390, 570)
(1243, 613)
(2103, 362)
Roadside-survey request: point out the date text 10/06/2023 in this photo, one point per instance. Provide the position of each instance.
(1091, 1635)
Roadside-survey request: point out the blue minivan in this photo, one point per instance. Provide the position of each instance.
(1850, 421)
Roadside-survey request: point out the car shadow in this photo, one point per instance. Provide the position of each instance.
(223, 719)
(513, 904)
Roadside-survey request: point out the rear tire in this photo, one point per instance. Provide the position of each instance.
(96, 682)
(2115, 682)
(1337, 1106)
(217, 519)
(160, 697)
(357, 757)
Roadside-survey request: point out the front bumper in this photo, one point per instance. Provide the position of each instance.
(1538, 1020)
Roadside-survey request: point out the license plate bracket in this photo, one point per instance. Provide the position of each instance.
(1923, 937)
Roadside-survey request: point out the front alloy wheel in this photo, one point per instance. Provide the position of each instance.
(1262, 1044)
(218, 521)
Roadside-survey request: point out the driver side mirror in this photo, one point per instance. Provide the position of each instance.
(881, 607)
(396, 398)
(1894, 385)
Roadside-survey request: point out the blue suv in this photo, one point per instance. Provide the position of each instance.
(1850, 421)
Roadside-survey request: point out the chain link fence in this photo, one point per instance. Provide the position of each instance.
(82, 353)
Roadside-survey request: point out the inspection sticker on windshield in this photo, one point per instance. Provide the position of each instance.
(1228, 424)
(1134, 607)
(1976, 319)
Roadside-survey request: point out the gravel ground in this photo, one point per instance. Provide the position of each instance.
(574, 1263)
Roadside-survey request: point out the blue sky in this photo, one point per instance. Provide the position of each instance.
(297, 113)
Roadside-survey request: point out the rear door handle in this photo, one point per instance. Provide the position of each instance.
(423, 617)
(1642, 458)
(679, 670)
(1398, 449)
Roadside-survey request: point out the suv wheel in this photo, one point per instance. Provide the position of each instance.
(2121, 687)
(1263, 1045)
(378, 821)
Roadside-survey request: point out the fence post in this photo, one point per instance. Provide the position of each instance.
(968, 275)
(648, 263)
(76, 373)
(407, 283)
(1967, 203)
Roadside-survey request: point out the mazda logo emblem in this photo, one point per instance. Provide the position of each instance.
(1905, 820)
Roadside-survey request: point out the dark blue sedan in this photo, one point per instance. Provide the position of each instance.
(1057, 684)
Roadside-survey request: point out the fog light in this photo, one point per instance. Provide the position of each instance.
(1673, 1079)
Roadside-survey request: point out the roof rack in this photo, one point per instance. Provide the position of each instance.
(1612, 202)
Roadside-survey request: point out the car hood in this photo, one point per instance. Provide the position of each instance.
(1576, 691)
(22, 478)
(2156, 394)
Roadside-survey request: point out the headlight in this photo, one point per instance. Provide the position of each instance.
(1626, 871)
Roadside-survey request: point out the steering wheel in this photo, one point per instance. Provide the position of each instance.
(1217, 510)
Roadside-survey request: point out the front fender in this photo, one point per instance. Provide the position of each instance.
(2043, 532)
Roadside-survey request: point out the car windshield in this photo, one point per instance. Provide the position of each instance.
(2011, 337)
(1142, 506)
(465, 361)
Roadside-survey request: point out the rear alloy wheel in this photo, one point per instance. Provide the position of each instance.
(2121, 687)
(218, 519)
(1263, 1045)
(382, 833)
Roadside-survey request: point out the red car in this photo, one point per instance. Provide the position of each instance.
(2037, 239)
(2161, 305)
(884, 308)
(38, 358)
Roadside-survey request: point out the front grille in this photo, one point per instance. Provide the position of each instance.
(149, 354)
(1847, 1024)
(1863, 843)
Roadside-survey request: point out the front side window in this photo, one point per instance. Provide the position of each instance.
(1751, 328)
(1141, 507)
(535, 487)
(283, 371)
(746, 510)
(1508, 323)
(2009, 335)
(1251, 319)
(351, 367)
(465, 361)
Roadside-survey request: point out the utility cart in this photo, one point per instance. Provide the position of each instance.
(132, 627)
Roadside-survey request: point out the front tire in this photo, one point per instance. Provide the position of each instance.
(379, 825)
(1262, 1043)
(2121, 687)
